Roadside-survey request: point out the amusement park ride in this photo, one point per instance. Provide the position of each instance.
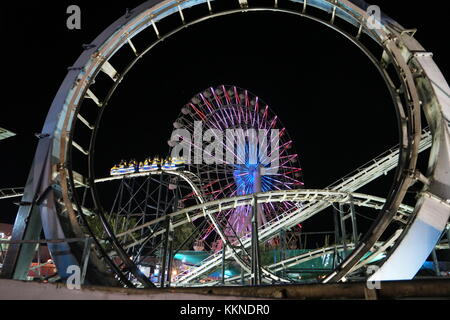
(147, 165)
(175, 223)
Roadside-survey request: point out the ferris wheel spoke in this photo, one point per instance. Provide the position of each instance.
(256, 112)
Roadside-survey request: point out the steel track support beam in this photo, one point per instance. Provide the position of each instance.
(168, 236)
(255, 255)
(353, 219)
(170, 256)
(448, 237)
(37, 212)
(223, 263)
(283, 247)
(343, 228)
(435, 262)
(20, 256)
(171, 234)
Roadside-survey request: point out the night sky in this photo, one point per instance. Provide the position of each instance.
(332, 101)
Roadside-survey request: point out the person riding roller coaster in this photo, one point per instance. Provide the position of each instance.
(156, 164)
(168, 164)
(114, 170)
(178, 162)
(173, 163)
(148, 165)
(119, 169)
(132, 167)
(124, 168)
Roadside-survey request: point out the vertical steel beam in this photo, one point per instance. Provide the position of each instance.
(165, 252)
(20, 256)
(256, 213)
(170, 256)
(171, 232)
(336, 257)
(283, 248)
(343, 228)
(224, 249)
(256, 267)
(38, 212)
(336, 225)
(85, 258)
(448, 237)
(435, 262)
(354, 224)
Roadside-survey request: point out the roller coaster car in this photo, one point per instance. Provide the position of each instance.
(178, 162)
(132, 167)
(169, 164)
(119, 169)
(156, 164)
(145, 166)
(114, 171)
(122, 169)
(150, 165)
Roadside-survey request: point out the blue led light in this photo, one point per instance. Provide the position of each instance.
(244, 176)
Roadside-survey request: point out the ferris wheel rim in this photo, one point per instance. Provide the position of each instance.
(224, 107)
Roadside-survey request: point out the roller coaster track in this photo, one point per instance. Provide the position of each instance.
(290, 262)
(317, 201)
(317, 253)
(304, 196)
(368, 172)
(312, 200)
(381, 248)
(355, 180)
(190, 178)
(7, 193)
(310, 255)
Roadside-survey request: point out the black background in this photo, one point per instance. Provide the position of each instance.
(332, 101)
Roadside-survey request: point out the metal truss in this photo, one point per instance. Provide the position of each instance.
(312, 200)
(7, 193)
(360, 177)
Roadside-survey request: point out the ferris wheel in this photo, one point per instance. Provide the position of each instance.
(251, 152)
